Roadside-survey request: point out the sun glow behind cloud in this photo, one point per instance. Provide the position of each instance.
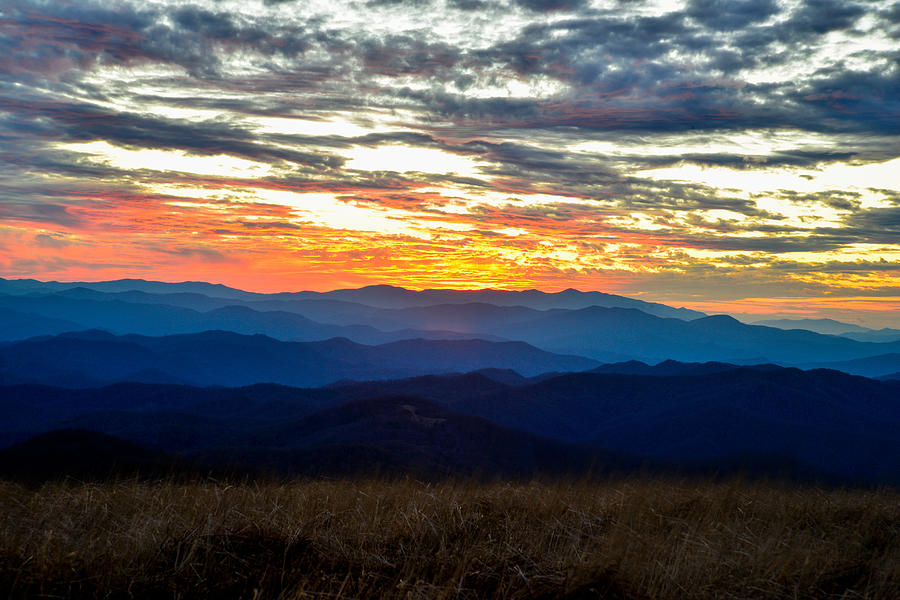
(404, 159)
(865, 179)
(221, 165)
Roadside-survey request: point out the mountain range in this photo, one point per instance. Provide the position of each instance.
(481, 382)
(92, 358)
(836, 426)
(379, 296)
(832, 327)
(602, 333)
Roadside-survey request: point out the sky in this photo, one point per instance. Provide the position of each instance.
(730, 156)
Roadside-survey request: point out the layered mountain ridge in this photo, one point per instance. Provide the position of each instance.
(480, 382)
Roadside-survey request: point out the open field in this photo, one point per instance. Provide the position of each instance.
(407, 539)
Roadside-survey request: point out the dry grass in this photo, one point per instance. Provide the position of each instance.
(405, 539)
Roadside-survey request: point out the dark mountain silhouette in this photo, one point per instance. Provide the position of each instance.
(673, 367)
(291, 434)
(443, 389)
(230, 359)
(217, 414)
(827, 419)
(504, 376)
(403, 434)
(820, 424)
(87, 455)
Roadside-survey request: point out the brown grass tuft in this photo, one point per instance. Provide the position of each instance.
(406, 539)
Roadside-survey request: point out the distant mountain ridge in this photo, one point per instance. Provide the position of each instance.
(832, 327)
(73, 310)
(28, 286)
(871, 366)
(378, 296)
(608, 334)
(599, 333)
(826, 326)
(386, 296)
(92, 358)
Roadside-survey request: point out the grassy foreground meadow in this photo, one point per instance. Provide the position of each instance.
(407, 539)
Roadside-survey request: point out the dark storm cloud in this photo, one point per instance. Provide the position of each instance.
(75, 122)
(645, 195)
(856, 101)
(796, 158)
(491, 112)
(878, 225)
(64, 37)
(52, 39)
(729, 15)
(613, 92)
(822, 16)
(595, 51)
(550, 5)
(567, 48)
(405, 55)
(770, 244)
(410, 3)
(513, 158)
(469, 4)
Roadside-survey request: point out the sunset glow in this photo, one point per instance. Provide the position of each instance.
(740, 157)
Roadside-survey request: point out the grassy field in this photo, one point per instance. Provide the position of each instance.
(407, 539)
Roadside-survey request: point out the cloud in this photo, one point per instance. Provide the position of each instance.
(823, 16)
(80, 122)
(550, 5)
(210, 255)
(728, 15)
(561, 107)
(39, 212)
(50, 241)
